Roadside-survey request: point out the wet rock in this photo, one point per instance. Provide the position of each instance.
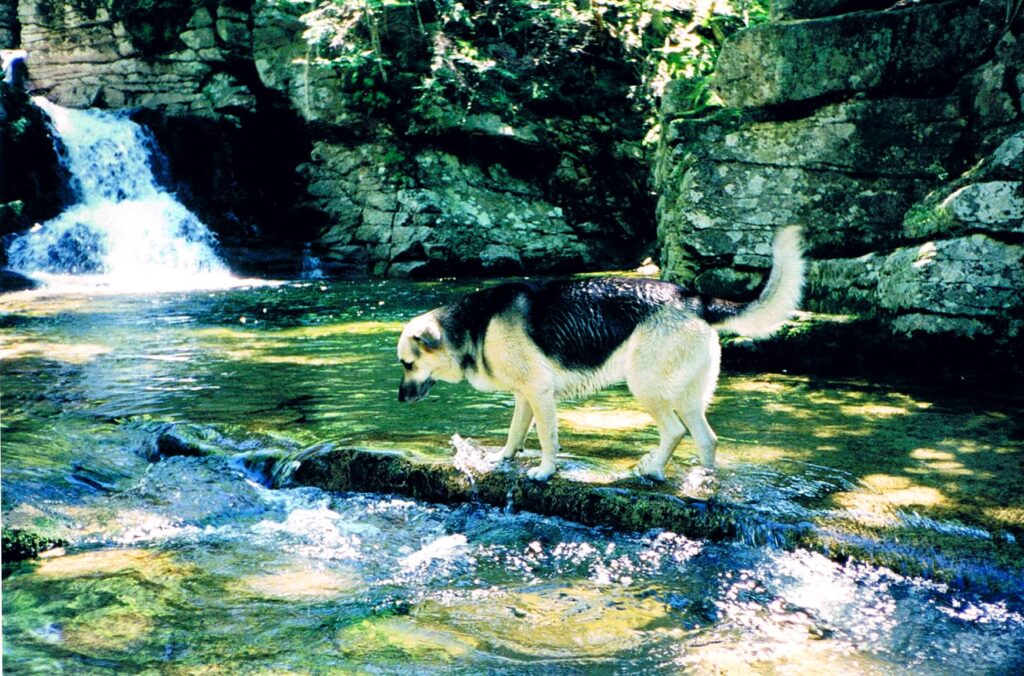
(15, 281)
(186, 440)
(33, 183)
(214, 489)
(342, 469)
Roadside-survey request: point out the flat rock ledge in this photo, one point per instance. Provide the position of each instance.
(506, 486)
(624, 505)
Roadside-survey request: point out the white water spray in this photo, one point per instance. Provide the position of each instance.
(125, 232)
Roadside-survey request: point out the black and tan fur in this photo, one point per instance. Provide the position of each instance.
(544, 341)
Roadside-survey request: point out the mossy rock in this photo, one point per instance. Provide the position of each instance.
(20, 544)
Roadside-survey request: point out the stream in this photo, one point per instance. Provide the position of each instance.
(190, 564)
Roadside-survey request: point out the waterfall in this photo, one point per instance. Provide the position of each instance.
(124, 232)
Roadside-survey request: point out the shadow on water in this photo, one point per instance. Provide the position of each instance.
(929, 464)
(186, 563)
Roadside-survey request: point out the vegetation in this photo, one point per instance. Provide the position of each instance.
(446, 60)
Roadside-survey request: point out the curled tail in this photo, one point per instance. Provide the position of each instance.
(779, 298)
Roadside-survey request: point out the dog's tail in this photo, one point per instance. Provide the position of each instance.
(779, 298)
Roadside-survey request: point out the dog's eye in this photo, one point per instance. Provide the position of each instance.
(407, 365)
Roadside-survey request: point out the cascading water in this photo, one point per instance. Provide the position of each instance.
(125, 232)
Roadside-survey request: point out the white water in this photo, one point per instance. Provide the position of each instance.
(125, 232)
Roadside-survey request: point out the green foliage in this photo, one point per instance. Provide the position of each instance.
(446, 60)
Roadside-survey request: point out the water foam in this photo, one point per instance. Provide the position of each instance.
(124, 232)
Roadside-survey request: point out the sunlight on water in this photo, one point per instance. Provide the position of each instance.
(185, 564)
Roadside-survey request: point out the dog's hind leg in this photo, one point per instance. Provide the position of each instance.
(522, 417)
(693, 404)
(543, 405)
(671, 431)
(703, 436)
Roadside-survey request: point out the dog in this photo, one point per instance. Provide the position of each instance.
(548, 340)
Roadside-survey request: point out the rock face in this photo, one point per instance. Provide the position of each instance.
(34, 188)
(389, 138)
(450, 164)
(895, 137)
(180, 56)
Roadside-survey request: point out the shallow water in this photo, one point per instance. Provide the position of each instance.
(191, 563)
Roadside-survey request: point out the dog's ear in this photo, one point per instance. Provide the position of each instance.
(429, 337)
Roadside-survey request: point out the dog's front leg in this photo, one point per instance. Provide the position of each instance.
(543, 405)
(522, 417)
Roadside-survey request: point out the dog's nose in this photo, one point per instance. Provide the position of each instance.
(413, 391)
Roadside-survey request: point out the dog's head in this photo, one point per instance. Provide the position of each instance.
(426, 356)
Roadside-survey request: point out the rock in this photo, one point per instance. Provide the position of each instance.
(972, 276)
(851, 122)
(432, 212)
(9, 27)
(33, 182)
(185, 440)
(992, 93)
(966, 287)
(782, 10)
(727, 283)
(20, 544)
(889, 137)
(919, 48)
(996, 205)
(15, 281)
(843, 172)
(132, 56)
(1008, 158)
(974, 202)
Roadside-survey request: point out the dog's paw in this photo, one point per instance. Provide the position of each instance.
(541, 472)
(503, 454)
(649, 469)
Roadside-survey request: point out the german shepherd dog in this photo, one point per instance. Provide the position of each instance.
(548, 340)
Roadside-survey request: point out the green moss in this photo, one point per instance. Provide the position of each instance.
(20, 544)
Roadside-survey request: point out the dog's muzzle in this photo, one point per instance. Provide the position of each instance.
(414, 391)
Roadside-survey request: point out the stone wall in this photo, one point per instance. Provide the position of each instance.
(895, 136)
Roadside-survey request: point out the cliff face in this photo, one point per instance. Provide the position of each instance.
(396, 138)
(896, 137)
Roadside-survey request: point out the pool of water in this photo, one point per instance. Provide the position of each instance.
(190, 564)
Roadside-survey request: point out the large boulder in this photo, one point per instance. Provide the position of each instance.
(918, 49)
(846, 173)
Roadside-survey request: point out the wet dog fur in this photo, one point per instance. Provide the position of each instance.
(549, 340)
